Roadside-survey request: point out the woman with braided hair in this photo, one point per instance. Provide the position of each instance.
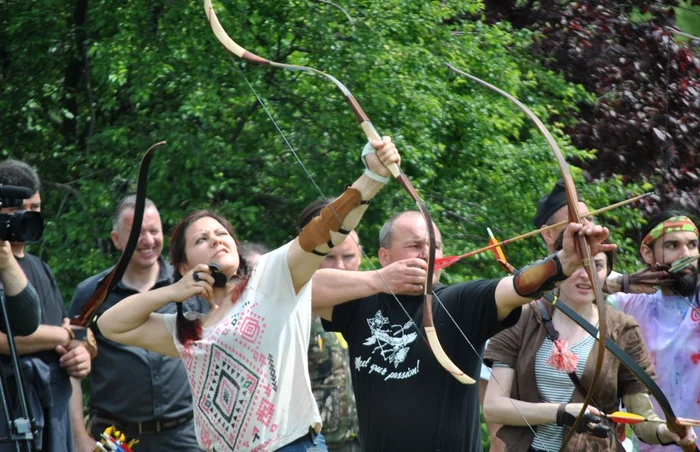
(542, 369)
(246, 359)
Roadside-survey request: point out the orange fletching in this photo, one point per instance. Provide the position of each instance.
(497, 251)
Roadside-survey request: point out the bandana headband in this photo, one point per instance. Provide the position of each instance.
(673, 224)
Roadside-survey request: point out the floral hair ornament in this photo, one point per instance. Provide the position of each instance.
(673, 224)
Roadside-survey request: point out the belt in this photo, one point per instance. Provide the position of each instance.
(148, 427)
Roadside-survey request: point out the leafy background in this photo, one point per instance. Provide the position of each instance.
(87, 86)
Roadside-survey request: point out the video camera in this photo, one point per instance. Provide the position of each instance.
(20, 226)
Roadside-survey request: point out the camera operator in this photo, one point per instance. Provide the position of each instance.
(51, 354)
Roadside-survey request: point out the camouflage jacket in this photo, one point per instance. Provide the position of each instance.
(331, 383)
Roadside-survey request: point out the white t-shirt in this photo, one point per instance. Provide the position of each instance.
(248, 374)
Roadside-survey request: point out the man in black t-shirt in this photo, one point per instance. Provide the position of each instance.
(50, 355)
(405, 399)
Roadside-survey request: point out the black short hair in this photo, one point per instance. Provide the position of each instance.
(549, 204)
(19, 174)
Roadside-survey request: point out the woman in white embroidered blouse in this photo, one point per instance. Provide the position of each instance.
(246, 358)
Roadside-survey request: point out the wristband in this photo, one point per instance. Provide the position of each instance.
(369, 149)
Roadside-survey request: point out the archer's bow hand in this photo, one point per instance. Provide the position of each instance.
(596, 235)
(642, 281)
(666, 436)
(378, 156)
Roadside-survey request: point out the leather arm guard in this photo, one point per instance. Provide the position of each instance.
(318, 231)
(538, 278)
(646, 431)
(655, 275)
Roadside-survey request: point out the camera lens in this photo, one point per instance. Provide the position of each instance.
(22, 226)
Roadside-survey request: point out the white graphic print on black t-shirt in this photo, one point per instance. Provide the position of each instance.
(389, 346)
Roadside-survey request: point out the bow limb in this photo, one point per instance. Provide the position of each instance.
(582, 247)
(112, 279)
(372, 135)
(233, 47)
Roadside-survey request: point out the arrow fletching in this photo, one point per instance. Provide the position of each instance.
(497, 251)
(625, 418)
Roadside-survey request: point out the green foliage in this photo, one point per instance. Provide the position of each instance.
(485, 438)
(82, 101)
(688, 17)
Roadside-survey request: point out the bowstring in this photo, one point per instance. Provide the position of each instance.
(492, 377)
(476, 352)
(321, 193)
(449, 314)
(688, 302)
(483, 362)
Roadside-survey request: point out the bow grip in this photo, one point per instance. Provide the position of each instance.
(372, 135)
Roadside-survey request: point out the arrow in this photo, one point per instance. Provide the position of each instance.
(446, 261)
(631, 419)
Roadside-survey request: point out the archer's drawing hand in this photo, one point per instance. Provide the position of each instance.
(642, 281)
(405, 277)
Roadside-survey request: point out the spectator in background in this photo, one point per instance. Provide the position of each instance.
(669, 318)
(154, 404)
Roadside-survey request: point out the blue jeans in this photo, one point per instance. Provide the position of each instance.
(306, 444)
